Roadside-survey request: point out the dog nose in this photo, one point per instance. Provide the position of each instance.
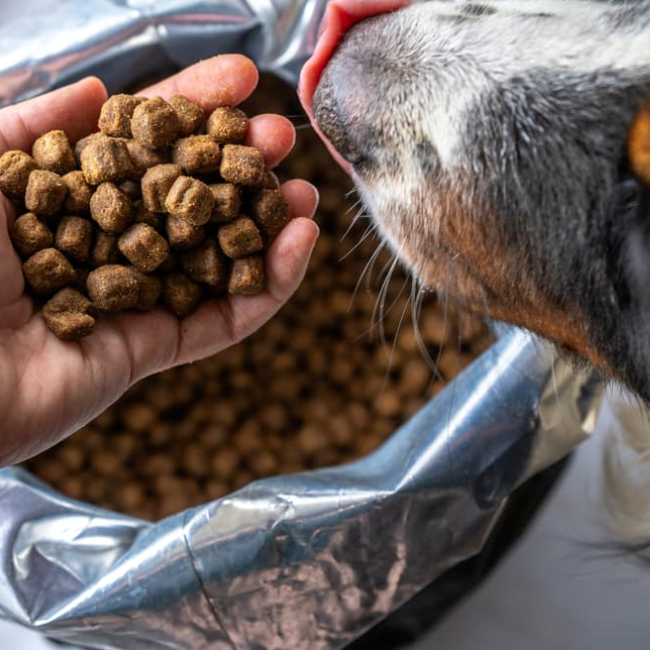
(330, 115)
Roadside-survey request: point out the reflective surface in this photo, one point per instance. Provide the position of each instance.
(124, 41)
(307, 560)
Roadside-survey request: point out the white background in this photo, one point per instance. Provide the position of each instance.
(550, 594)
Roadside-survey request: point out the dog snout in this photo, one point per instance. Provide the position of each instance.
(330, 115)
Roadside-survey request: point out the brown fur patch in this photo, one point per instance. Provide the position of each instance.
(638, 145)
(466, 259)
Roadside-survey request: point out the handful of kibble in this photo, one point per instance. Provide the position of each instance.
(160, 206)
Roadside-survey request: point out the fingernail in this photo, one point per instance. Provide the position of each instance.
(316, 199)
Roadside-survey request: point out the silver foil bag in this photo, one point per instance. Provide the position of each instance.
(309, 560)
(124, 41)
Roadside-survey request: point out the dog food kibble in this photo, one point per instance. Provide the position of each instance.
(30, 235)
(247, 276)
(156, 184)
(142, 215)
(74, 237)
(15, 168)
(69, 314)
(197, 154)
(154, 123)
(183, 234)
(242, 165)
(270, 211)
(227, 201)
(270, 181)
(131, 189)
(149, 288)
(113, 287)
(190, 199)
(190, 116)
(205, 263)
(47, 271)
(228, 125)
(143, 247)
(45, 192)
(52, 151)
(104, 159)
(111, 208)
(104, 250)
(146, 211)
(77, 200)
(240, 237)
(180, 294)
(116, 114)
(143, 159)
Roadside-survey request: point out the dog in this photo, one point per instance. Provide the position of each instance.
(502, 149)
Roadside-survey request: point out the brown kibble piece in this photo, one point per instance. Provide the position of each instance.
(156, 184)
(180, 294)
(197, 154)
(143, 158)
(77, 200)
(47, 271)
(240, 238)
(227, 202)
(247, 276)
(270, 211)
(74, 237)
(111, 208)
(149, 288)
(154, 124)
(142, 215)
(81, 144)
(116, 114)
(190, 116)
(228, 125)
(113, 287)
(45, 192)
(270, 181)
(190, 199)
(15, 168)
(104, 159)
(104, 250)
(131, 189)
(183, 234)
(30, 235)
(143, 247)
(242, 165)
(69, 314)
(206, 264)
(52, 151)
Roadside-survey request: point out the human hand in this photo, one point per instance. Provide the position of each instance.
(49, 388)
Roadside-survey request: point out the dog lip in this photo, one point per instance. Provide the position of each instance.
(339, 17)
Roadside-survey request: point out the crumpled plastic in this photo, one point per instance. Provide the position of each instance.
(309, 560)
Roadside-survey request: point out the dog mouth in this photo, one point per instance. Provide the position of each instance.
(339, 17)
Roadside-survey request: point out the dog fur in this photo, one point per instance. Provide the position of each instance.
(502, 149)
(491, 143)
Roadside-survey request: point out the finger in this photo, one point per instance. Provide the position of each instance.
(224, 80)
(273, 135)
(303, 198)
(73, 109)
